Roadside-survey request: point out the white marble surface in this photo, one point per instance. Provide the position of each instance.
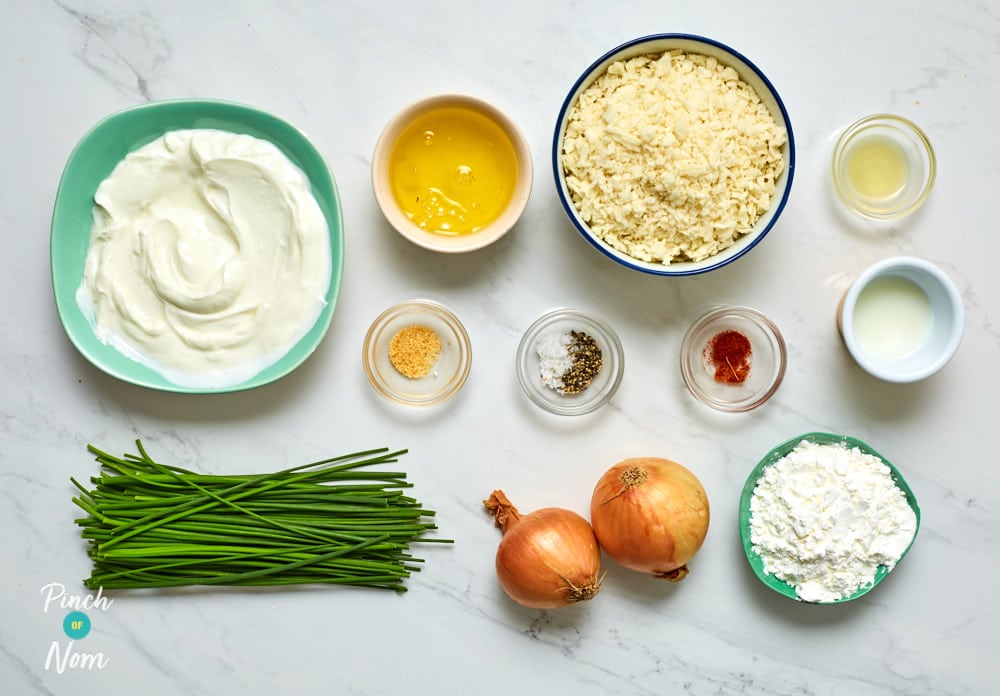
(338, 71)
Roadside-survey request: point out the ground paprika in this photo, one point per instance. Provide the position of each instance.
(728, 352)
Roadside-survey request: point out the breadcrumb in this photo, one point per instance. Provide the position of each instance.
(671, 157)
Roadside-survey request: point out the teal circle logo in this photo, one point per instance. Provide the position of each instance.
(76, 625)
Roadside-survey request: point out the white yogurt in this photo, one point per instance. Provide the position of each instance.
(209, 257)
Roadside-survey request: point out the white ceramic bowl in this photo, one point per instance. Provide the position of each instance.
(935, 333)
(432, 240)
(750, 74)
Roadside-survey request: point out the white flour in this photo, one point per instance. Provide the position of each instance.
(824, 518)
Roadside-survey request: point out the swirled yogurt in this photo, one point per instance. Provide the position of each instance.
(209, 257)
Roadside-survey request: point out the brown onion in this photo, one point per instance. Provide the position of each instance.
(650, 515)
(548, 558)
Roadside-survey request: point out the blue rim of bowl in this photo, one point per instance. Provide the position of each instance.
(329, 203)
(571, 98)
(773, 456)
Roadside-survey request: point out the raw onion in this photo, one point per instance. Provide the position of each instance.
(548, 558)
(650, 515)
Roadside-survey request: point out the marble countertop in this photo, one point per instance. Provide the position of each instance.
(338, 71)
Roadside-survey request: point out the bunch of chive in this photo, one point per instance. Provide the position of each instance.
(151, 525)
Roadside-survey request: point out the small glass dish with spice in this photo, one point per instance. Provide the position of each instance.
(733, 358)
(417, 353)
(569, 363)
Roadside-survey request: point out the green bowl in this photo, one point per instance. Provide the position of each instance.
(96, 156)
(774, 456)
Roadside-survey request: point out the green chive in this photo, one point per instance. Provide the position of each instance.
(337, 521)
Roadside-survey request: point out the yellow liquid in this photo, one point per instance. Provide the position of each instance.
(452, 171)
(892, 318)
(876, 167)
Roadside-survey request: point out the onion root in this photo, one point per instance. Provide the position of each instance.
(503, 511)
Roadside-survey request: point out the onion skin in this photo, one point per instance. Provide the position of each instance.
(651, 515)
(547, 559)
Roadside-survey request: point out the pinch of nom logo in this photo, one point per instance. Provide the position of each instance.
(76, 624)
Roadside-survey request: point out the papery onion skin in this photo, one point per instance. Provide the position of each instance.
(548, 558)
(651, 515)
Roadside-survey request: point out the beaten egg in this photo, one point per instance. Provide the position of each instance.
(452, 171)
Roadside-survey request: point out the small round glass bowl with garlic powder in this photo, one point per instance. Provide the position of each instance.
(569, 363)
(417, 353)
(883, 167)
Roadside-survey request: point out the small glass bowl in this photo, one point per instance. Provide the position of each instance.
(604, 385)
(449, 372)
(886, 143)
(767, 359)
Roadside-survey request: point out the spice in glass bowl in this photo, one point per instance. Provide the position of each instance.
(545, 367)
(441, 353)
(732, 358)
(414, 350)
(568, 361)
(727, 355)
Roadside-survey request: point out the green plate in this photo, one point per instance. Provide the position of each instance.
(772, 457)
(96, 156)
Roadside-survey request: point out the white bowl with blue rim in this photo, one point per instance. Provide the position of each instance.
(752, 76)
